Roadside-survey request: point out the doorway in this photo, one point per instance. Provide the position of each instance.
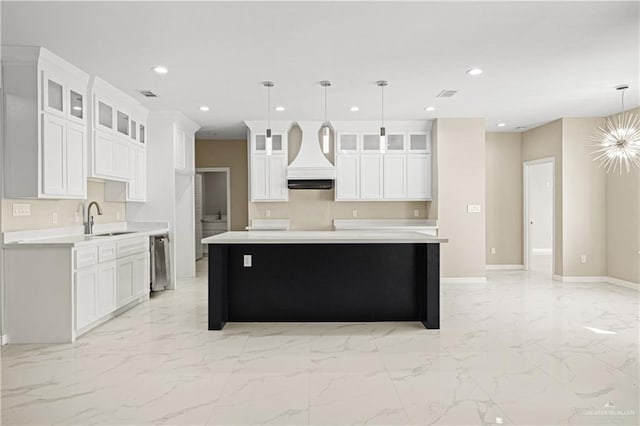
(212, 204)
(539, 220)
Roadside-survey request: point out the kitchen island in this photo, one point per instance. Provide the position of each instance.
(301, 276)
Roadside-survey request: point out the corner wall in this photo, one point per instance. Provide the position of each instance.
(461, 181)
(504, 198)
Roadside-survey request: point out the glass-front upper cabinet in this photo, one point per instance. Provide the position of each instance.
(105, 116)
(277, 145)
(371, 143)
(395, 142)
(76, 105)
(122, 121)
(142, 134)
(347, 142)
(53, 92)
(134, 130)
(419, 142)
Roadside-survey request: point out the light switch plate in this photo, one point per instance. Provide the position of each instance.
(54, 218)
(22, 209)
(416, 212)
(247, 261)
(473, 208)
(583, 258)
(267, 213)
(354, 213)
(493, 250)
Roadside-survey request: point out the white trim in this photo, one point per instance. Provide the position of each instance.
(541, 251)
(505, 267)
(227, 171)
(4, 340)
(525, 209)
(595, 279)
(623, 283)
(463, 280)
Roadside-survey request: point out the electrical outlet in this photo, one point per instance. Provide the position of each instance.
(473, 208)
(583, 258)
(354, 213)
(416, 212)
(493, 250)
(22, 209)
(267, 213)
(247, 261)
(54, 218)
(77, 218)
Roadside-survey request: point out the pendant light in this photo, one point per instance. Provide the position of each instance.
(618, 142)
(326, 128)
(383, 132)
(268, 139)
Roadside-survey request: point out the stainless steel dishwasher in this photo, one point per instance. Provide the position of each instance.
(160, 265)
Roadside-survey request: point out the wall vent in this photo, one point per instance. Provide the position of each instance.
(447, 93)
(148, 93)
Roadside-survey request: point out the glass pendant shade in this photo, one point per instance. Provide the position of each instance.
(269, 143)
(325, 138)
(383, 140)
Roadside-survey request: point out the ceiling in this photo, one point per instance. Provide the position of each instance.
(541, 60)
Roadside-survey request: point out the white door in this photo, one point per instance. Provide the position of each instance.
(125, 281)
(259, 177)
(141, 282)
(106, 293)
(347, 177)
(278, 178)
(54, 134)
(371, 176)
(76, 160)
(539, 205)
(395, 186)
(419, 176)
(121, 159)
(102, 154)
(85, 300)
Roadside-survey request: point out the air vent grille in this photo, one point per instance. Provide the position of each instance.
(447, 93)
(148, 93)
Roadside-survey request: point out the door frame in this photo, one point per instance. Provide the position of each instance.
(526, 165)
(227, 171)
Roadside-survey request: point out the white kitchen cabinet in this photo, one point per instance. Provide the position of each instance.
(371, 178)
(419, 142)
(141, 279)
(347, 177)
(395, 176)
(419, 176)
(110, 157)
(125, 281)
(181, 148)
(278, 189)
(86, 284)
(268, 173)
(45, 125)
(137, 186)
(259, 178)
(106, 288)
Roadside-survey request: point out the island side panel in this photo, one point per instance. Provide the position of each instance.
(432, 312)
(323, 282)
(218, 286)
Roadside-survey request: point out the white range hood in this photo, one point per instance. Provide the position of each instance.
(310, 164)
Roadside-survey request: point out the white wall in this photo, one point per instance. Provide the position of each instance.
(540, 189)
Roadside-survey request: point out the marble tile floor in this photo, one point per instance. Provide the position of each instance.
(520, 349)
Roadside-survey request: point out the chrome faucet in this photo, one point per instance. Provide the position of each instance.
(88, 225)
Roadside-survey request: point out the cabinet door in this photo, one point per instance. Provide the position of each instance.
(419, 176)
(53, 92)
(371, 176)
(347, 177)
(141, 173)
(121, 160)
(180, 149)
(76, 160)
(125, 281)
(141, 282)
(106, 293)
(420, 142)
(396, 142)
(104, 116)
(395, 186)
(259, 177)
(347, 142)
(102, 154)
(278, 178)
(85, 300)
(54, 134)
(132, 187)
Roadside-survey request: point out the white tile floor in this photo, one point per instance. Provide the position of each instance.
(513, 351)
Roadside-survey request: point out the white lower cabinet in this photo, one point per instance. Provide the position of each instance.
(125, 281)
(106, 289)
(86, 290)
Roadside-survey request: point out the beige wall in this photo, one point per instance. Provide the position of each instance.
(504, 198)
(316, 209)
(461, 181)
(42, 210)
(542, 142)
(623, 224)
(584, 202)
(232, 154)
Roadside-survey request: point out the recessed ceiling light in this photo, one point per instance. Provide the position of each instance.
(502, 124)
(160, 69)
(474, 71)
(430, 108)
(354, 109)
(279, 108)
(204, 108)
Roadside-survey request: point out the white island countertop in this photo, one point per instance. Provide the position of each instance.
(322, 237)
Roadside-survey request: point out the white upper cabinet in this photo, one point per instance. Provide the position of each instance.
(46, 125)
(367, 171)
(268, 172)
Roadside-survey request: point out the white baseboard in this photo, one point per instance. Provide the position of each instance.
(592, 279)
(623, 283)
(505, 267)
(464, 280)
(541, 251)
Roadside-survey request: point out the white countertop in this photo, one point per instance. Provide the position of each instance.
(321, 237)
(73, 236)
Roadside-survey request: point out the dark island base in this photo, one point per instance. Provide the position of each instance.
(324, 282)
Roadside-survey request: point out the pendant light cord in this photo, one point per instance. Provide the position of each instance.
(623, 90)
(382, 109)
(269, 106)
(325, 104)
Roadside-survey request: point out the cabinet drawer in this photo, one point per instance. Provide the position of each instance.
(106, 252)
(86, 257)
(132, 246)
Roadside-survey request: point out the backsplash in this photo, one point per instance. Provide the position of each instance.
(42, 211)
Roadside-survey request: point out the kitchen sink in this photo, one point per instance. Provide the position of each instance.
(113, 234)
